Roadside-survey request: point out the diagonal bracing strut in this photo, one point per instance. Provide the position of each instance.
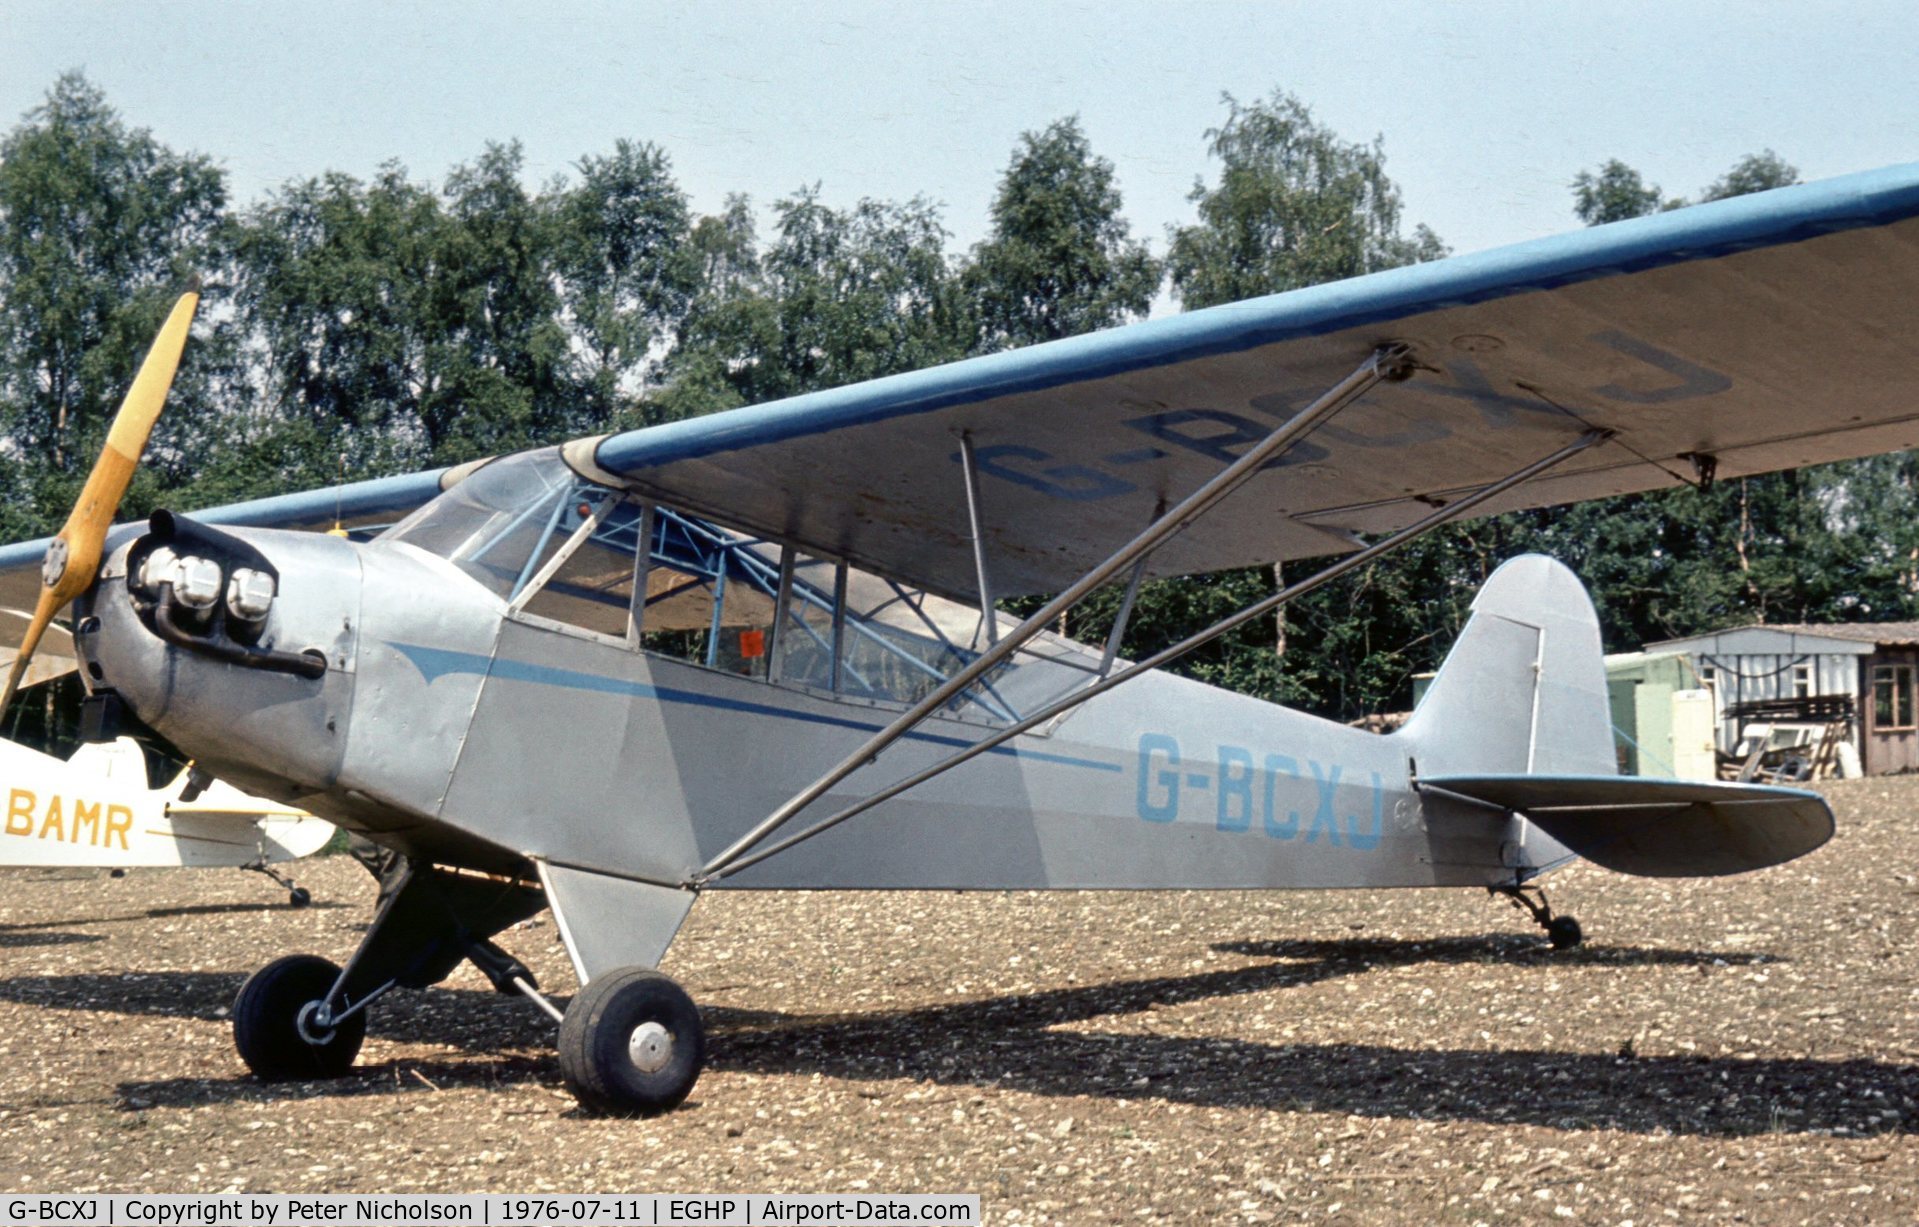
(1388, 363)
(1438, 517)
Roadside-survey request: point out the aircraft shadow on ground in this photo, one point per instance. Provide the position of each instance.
(1017, 1042)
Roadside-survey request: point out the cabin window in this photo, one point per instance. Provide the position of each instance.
(1892, 697)
(566, 554)
(708, 601)
(1802, 681)
(754, 607)
(809, 592)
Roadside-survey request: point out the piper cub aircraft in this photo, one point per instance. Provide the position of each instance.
(96, 809)
(748, 650)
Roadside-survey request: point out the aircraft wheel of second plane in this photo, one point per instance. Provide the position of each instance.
(1563, 933)
(631, 1043)
(272, 1020)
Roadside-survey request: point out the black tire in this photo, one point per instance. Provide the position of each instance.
(1563, 932)
(602, 1023)
(266, 1026)
(299, 896)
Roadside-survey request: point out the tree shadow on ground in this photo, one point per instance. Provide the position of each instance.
(32, 936)
(164, 913)
(1038, 1043)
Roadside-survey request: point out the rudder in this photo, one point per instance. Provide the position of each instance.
(1524, 689)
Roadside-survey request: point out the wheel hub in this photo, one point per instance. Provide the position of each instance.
(650, 1047)
(315, 1024)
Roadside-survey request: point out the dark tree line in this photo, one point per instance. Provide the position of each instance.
(384, 325)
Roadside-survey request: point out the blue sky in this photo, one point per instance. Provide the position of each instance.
(1487, 108)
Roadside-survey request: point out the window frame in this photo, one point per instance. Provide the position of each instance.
(1901, 675)
(635, 603)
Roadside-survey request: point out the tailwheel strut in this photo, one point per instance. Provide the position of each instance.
(1562, 932)
(297, 896)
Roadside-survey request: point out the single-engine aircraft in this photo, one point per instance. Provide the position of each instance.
(747, 650)
(97, 809)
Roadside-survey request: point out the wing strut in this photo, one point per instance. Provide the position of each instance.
(1439, 516)
(1392, 363)
(988, 618)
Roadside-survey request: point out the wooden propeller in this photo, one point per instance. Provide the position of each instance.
(73, 556)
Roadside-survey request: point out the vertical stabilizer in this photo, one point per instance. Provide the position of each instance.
(1524, 689)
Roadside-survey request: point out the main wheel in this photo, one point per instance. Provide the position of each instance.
(631, 1044)
(272, 1022)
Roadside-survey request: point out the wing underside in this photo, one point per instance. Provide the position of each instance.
(1761, 333)
(1765, 332)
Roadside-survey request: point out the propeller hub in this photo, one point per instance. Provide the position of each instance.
(54, 569)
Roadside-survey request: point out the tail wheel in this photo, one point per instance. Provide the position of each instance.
(631, 1043)
(273, 1022)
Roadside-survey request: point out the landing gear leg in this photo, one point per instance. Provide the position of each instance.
(304, 1017)
(1562, 932)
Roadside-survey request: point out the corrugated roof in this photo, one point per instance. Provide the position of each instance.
(1902, 634)
(1864, 632)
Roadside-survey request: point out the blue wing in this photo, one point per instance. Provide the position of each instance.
(1767, 332)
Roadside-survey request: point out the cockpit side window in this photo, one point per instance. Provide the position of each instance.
(753, 607)
(578, 557)
(707, 601)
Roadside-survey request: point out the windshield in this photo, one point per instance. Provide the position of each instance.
(491, 524)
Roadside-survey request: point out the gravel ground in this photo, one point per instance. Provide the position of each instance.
(1744, 1049)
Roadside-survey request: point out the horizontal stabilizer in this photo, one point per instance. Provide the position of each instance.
(1659, 828)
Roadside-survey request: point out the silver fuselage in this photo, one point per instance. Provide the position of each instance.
(459, 734)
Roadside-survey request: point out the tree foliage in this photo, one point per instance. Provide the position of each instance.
(356, 328)
(1294, 205)
(100, 227)
(1060, 260)
(628, 268)
(839, 296)
(1614, 193)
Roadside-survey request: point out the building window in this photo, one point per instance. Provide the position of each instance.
(1891, 697)
(1802, 681)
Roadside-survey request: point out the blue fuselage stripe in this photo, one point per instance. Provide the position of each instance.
(441, 662)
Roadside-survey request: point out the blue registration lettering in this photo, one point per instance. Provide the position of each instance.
(1366, 840)
(1323, 819)
(1219, 435)
(1693, 380)
(1031, 467)
(1235, 789)
(1275, 766)
(1161, 803)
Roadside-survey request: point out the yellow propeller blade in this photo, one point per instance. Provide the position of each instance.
(73, 557)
